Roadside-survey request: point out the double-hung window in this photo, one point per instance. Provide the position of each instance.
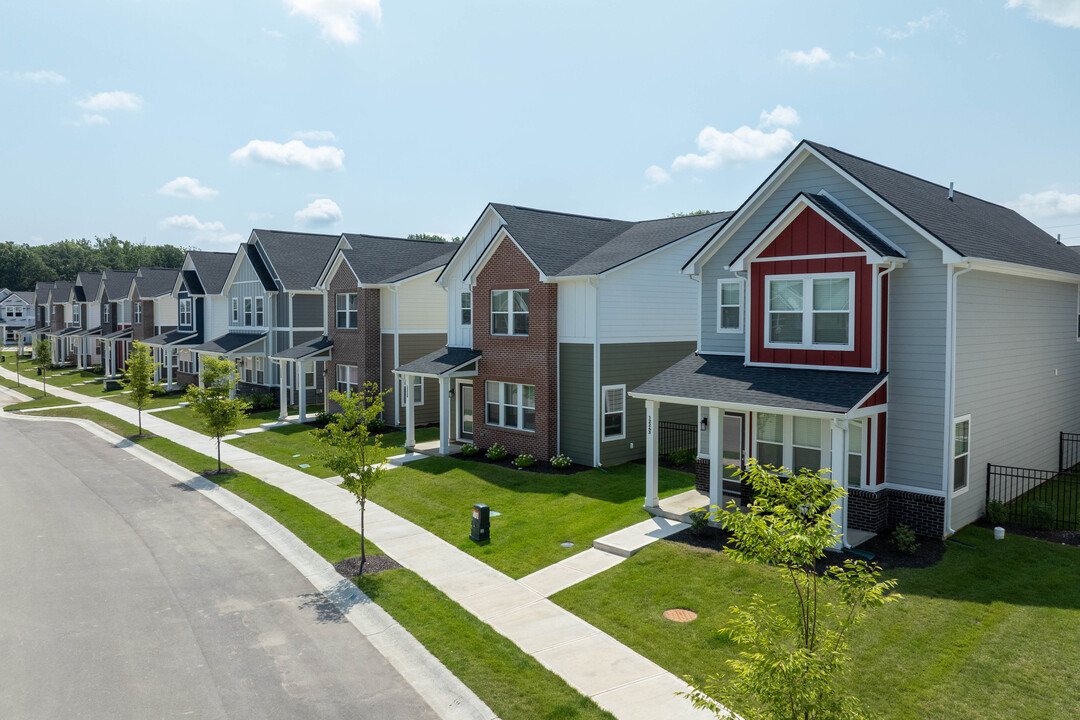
(811, 311)
(793, 442)
(259, 374)
(614, 411)
(855, 454)
(76, 314)
(466, 308)
(770, 439)
(347, 376)
(961, 452)
(236, 311)
(729, 306)
(347, 315)
(509, 312)
(106, 307)
(417, 390)
(247, 312)
(511, 405)
(259, 316)
(136, 312)
(806, 444)
(185, 312)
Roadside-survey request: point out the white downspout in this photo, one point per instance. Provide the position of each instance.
(877, 314)
(594, 281)
(950, 389)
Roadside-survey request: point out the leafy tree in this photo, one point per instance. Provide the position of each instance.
(220, 413)
(432, 237)
(691, 213)
(138, 378)
(793, 655)
(347, 447)
(42, 360)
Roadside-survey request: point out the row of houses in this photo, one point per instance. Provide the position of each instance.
(846, 316)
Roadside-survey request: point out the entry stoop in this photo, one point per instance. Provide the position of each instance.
(629, 540)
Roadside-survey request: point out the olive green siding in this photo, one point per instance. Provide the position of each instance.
(576, 402)
(631, 364)
(410, 347)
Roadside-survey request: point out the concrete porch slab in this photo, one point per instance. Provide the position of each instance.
(629, 540)
(678, 507)
(399, 460)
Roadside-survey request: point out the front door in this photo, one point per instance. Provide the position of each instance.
(734, 442)
(465, 412)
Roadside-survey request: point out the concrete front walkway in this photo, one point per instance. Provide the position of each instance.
(621, 681)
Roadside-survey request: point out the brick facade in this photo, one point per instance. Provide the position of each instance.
(145, 328)
(530, 360)
(359, 347)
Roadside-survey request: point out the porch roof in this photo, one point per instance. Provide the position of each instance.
(229, 343)
(720, 379)
(65, 332)
(118, 335)
(92, 331)
(173, 337)
(304, 351)
(440, 363)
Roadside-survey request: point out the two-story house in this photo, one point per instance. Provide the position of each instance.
(115, 339)
(551, 318)
(42, 320)
(84, 293)
(201, 311)
(903, 335)
(383, 309)
(16, 316)
(153, 309)
(64, 321)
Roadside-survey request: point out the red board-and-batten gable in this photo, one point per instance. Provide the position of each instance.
(809, 233)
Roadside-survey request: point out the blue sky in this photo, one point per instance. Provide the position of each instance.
(192, 121)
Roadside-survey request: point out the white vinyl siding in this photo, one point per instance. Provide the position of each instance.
(459, 335)
(510, 405)
(614, 412)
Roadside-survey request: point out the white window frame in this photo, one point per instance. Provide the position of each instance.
(511, 325)
(236, 311)
(185, 309)
(604, 412)
(787, 432)
(966, 454)
(465, 306)
(136, 312)
(76, 314)
(260, 312)
(819, 447)
(861, 451)
(418, 391)
(350, 385)
(502, 404)
(808, 312)
(259, 373)
(720, 305)
(105, 312)
(352, 313)
(249, 308)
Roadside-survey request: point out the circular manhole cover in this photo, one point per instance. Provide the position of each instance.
(680, 615)
(567, 544)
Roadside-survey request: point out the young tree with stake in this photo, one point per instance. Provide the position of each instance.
(347, 446)
(221, 414)
(42, 360)
(138, 377)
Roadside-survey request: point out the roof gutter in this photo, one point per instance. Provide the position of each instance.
(950, 388)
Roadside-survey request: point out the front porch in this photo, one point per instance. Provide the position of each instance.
(454, 368)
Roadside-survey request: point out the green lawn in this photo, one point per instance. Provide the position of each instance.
(990, 632)
(1061, 496)
(538, 511)
(30, 389)
(186, 417)
(40, 402)
(514, 685)
(280, 444)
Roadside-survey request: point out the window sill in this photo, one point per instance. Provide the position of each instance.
(518, 431)
(508, 335)
(613, 438)
(819, 346)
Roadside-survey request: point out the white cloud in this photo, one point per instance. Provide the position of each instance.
(337, 18)
(657, 175)
(186, 187)
(201, 232)
(914, 27)
(1063, 13)
(116, 100)
(1046, 204)
(811, 59)
(294, 152)
(37, 76)
(779, 116)
(873, 54)
(93, 119)
(323, 211)
(272, 33)
(315, 135)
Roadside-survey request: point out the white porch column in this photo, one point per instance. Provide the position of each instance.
(301, 389)
(168, 367)
(232, 389)
(410, 413)
(716, 453)
(838, 463)
(652, 454)
(444, 415)
(283, 391)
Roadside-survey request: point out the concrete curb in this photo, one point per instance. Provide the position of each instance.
(441, 689)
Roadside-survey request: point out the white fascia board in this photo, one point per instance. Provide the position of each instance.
(676, 400)
(873, 230)
(470, 238)
(330, 269)
(1007, 268)
(696, 235)
(500, 236)
(417, 276)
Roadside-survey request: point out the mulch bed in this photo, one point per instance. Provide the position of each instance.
(540, 466)
(1058, 537)
(930, 551)
(350, 567)
(215, 473)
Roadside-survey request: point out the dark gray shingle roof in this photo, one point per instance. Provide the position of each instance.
(263, 272)
(377, 260)
(61, 291)
(297, 258)
(91, 284)
(307, 349)
(972, 227)
(26, 296)
(213, 269)
(230, 342)
(724, 379)
(117, 284)
(41, 292)
(440, 362)
(191, 282)
(155, 282)
(173, 336)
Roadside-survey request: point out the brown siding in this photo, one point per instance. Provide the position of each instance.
(410, 347)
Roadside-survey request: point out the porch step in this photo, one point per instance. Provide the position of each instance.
(399, 460)
(630, 540)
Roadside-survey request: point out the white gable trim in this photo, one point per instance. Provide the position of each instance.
(332, 271)
(501, 235)
(469, 239)
(331, 267)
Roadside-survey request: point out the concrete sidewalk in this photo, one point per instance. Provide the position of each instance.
(620, 680)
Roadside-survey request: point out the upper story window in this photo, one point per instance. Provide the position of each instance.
(729, 306)
(137, 312)
(236, 311)
(509, 312)
(247, 312)
(76, 314)
(105, 311)
(810, 311)
(259, 315)
(347, 313)
(185, 312)
(466, 308)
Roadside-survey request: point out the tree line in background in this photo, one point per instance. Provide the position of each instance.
(23, 265)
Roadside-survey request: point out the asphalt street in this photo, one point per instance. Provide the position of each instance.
(124, 594)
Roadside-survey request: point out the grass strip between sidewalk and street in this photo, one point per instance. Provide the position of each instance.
(41, 402)
(512, 683)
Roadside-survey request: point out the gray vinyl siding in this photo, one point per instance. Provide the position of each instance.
(410, 347)
(631, 364)
(281, 310)
(1017, 375)
(246, 284)
(308, 311)
(301, 337)
(576, 402)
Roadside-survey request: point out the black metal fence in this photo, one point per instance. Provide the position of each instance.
(1068, 451)
(675, 436)
(1040, 498)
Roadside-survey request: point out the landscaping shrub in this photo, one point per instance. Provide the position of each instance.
(699, 520)
(261, 401)
(524, 460)
(903, 538)
(469, 450)
(322, 417)
(560, 462)
(1041, 514)
(682, 456)
(995, 512)
(496, 452)
(376, 425)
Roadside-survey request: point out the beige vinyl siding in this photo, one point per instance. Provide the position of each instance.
(576, 402)
(631, 364)
(1017, 375)
(422, 305)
